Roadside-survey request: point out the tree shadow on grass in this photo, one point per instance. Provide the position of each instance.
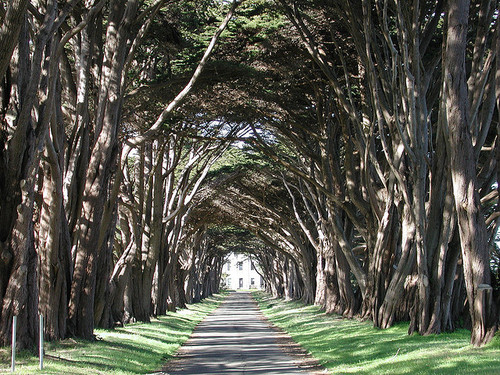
(134, 349)
(353, 346)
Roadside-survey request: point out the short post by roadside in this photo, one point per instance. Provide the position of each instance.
(14, 334)
(40, 345)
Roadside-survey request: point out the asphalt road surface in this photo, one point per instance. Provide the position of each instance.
(234, 339)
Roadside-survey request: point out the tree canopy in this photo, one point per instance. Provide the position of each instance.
(350, 146)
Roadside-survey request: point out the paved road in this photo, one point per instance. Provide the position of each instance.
(233, 340)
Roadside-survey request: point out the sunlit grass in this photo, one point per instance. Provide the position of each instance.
(354, 347)
(137, 348)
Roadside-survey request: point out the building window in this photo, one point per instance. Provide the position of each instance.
(252, 266)
(228, 266)
(240, 266)
(241, 282)
(252, 282)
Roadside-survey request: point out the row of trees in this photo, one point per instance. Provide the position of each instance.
(385, 148)
(95, 190)
(369, 177)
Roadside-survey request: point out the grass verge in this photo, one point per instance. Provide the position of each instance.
(137, 348)
(354, 347)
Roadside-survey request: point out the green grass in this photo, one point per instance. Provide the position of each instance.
(137, 348)
(354, 347)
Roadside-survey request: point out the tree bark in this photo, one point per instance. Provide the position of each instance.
(9, 31)
(471, 223)
(54, 251)
(20, 293)
(102, 160)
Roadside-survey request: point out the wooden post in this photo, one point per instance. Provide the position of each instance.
(40, 346)
(14, 333)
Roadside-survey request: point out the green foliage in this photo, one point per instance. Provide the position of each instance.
(238, 159)
(134, 349)
(197, 22)
(176, 40)
(354, 347)
(231, 238)
(258, 20)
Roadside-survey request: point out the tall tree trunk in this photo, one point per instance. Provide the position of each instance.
(162, 292)
(333, 302)
(20, 293)
(119, 282)
(387, 311)
(346, 290)
(380, 265)
(319, 299)
(169, 281)
(471, 225)
(53, 234)
(103, 158)
(54, 250)
(179, 283)
(102, 308)
(306, 270)
(153, 227)
(451, 286)
(78, 148)
(10, 28)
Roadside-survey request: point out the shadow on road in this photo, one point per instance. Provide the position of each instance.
(234, 339)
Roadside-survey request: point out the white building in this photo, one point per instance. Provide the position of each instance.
(239, 273)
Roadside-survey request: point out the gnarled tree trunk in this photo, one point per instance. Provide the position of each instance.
(471, 223)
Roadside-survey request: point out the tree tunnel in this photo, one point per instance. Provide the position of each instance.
(351, 147)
